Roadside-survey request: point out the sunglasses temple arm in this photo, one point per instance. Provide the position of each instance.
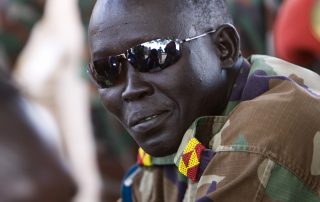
(199, 36)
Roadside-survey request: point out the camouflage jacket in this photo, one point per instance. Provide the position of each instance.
(266, 147)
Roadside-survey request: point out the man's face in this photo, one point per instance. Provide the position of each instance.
(156, 108)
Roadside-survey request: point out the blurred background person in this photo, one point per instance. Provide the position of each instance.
(286, 29)
(30, 168)
(297, 33)
(254, 20)
(49, 73)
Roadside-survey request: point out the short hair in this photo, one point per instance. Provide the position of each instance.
(203, 12)
(209, 13)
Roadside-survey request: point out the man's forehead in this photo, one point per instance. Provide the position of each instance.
(158, 12)
(122, 9)
(114, 39)
(112, 31)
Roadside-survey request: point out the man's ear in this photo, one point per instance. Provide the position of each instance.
(227, 43)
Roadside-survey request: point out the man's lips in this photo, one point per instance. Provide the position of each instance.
(138, 118)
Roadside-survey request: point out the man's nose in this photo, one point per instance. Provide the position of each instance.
(137, 86)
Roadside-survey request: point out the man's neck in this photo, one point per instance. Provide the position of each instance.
(231, 75)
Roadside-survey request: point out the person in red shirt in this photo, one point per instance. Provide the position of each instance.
(297, 33)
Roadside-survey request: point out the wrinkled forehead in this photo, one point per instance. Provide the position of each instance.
(119, 24)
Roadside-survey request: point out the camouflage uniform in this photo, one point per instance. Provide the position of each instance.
(266, 146)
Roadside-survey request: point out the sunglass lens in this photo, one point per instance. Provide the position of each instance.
(154, 55)
(150, 56)
(105, 72)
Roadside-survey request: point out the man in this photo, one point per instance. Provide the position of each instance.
(211, 125)
(30, 167)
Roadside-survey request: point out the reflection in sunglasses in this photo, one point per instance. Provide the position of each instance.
(151, 56)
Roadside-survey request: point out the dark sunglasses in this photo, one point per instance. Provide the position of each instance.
(150, 56)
